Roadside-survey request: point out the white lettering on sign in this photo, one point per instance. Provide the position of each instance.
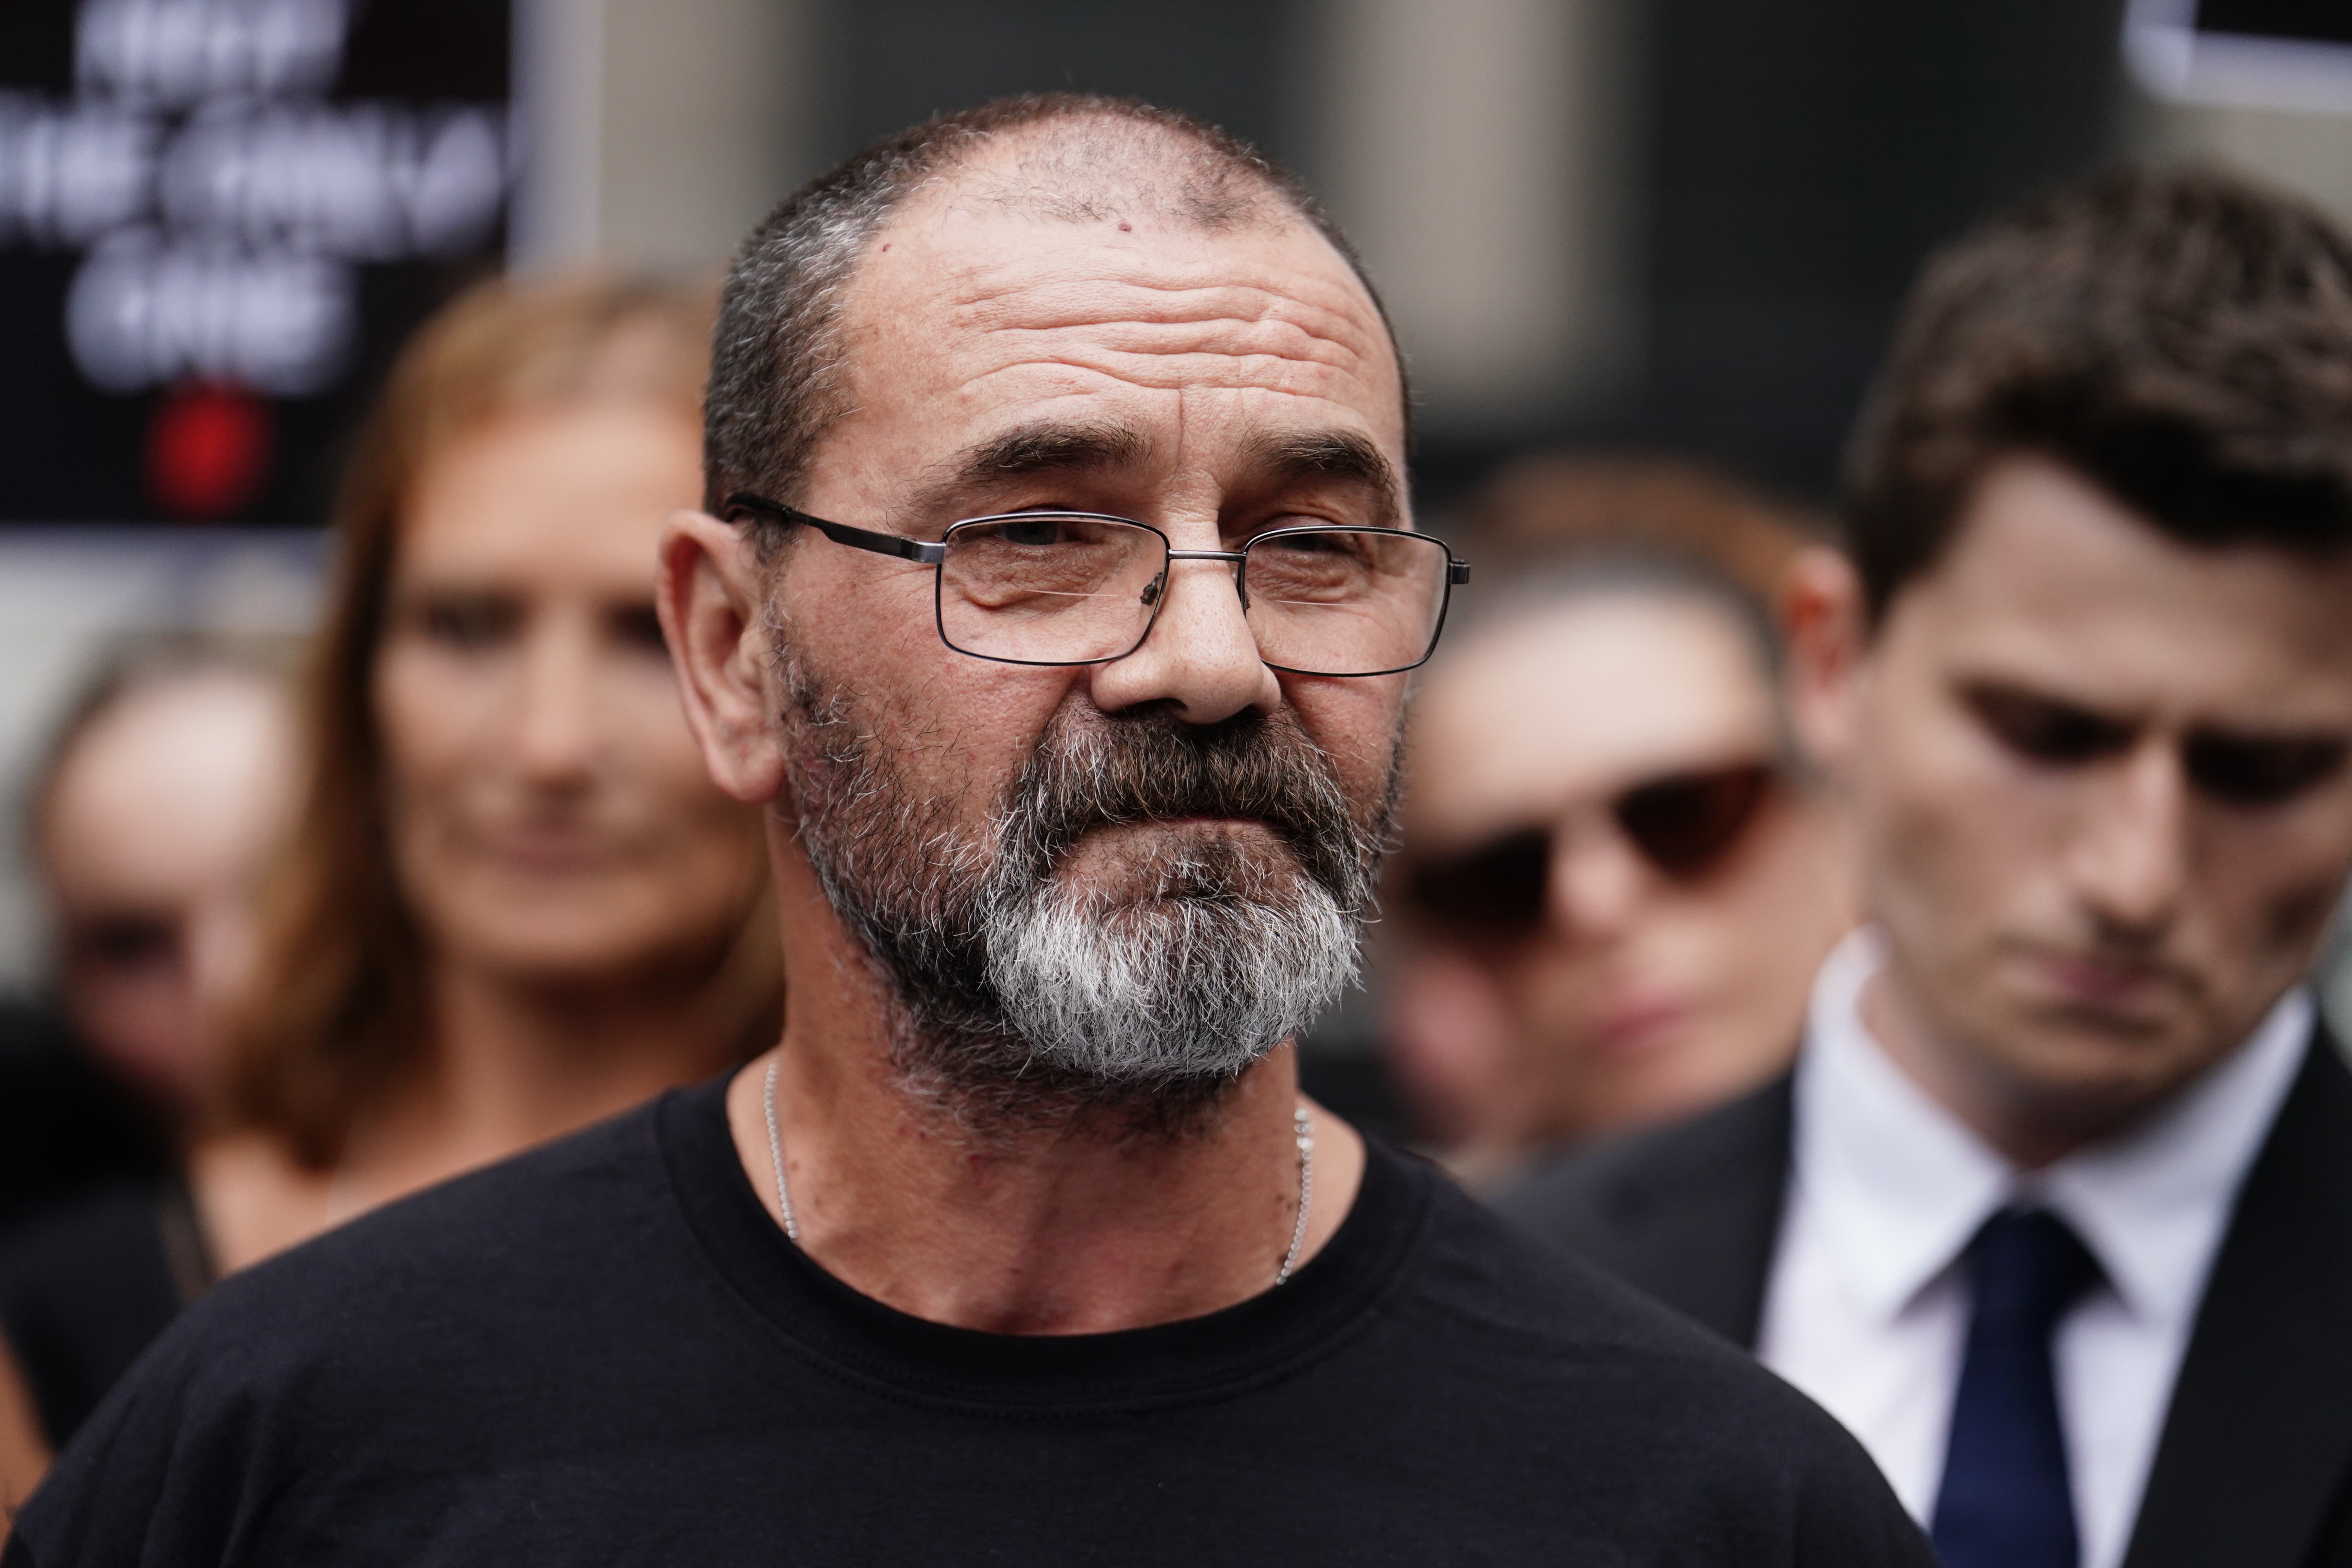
(222, 202)
(69, 174)
(181, 52)
(370, 182)
(144, 311)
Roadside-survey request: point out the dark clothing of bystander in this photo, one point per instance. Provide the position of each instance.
(65, 1126)
(2253, 1465)
(87, 1286)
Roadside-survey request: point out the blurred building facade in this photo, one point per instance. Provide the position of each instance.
(1672, 224)
(1668, 225)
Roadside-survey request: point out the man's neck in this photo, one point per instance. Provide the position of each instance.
(1067, 1228)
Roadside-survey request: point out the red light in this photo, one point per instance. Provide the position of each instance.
(208, 450)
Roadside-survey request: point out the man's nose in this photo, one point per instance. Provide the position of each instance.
(2131, 858)
(1201, 658)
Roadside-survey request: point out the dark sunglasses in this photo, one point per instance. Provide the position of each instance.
(1685, 825)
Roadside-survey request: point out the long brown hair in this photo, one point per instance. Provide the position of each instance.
(338, 1009)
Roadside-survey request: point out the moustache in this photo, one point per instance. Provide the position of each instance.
(1120, 772)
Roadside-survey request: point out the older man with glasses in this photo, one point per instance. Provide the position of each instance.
(1056, 598)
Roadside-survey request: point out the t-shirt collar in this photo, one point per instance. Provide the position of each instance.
(1901, 1185)
(1184, 1361)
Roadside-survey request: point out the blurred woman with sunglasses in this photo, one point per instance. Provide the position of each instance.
(1617, 881)
(510, 902)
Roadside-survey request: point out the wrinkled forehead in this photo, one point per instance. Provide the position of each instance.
(984, 292)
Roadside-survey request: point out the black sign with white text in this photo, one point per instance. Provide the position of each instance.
(218, 219)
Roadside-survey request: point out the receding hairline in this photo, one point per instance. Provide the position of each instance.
(1093, 166)
(1100, 193)
(1206, 192)
(778, 371)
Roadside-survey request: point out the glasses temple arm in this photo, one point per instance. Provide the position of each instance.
(924, 550)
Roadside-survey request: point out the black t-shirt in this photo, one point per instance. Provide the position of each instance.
(607, 1353)
(87, 1286)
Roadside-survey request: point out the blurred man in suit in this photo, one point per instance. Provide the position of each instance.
(2055, 1211)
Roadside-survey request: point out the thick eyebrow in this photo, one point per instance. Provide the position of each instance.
(1032, 449)
(1047, 447)
(1342, 455)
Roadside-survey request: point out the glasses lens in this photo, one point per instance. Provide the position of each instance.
(1049, 588)
(1687, 824)
(1345, 601)
(1494, 891)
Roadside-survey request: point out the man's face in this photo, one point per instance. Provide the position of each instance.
(2101, 787)
(1210, 386)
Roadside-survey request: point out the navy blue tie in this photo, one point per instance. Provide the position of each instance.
(2005, 1502)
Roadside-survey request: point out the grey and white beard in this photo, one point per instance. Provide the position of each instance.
(1191, 980)
(1025, 998)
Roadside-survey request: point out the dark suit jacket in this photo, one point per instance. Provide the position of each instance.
(2254, 1466)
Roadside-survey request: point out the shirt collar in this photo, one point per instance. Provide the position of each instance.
(1900, 1184)
(2154, 1203)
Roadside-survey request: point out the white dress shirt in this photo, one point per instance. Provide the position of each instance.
(1867, 1309)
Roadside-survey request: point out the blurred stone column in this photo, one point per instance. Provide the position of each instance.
(1483, 155)
(659, 131)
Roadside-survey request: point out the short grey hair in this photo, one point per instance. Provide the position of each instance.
(778, 372)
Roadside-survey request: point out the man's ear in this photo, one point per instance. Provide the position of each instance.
(709, 592)
(1824, 623)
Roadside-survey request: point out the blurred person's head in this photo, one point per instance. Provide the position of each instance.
(152, 818)
(1617, 881)
(503, 788)
(2088, 683)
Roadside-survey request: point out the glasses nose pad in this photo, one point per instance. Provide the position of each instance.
(1153, 589)
(1241, 582)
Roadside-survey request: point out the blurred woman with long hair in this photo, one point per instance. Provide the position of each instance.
(514, 903)
(511, 903)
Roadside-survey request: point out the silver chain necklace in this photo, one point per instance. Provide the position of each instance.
(1302, 1125)
(1305, 1129)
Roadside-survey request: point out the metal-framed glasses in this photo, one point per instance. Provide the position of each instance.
(1078, 587)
